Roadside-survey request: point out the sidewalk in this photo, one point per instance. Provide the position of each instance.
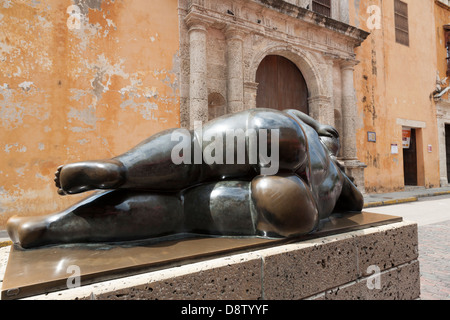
(409, 195)
(370, 201)
(4, 239)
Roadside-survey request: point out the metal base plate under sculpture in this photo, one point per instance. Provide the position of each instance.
(47, 269)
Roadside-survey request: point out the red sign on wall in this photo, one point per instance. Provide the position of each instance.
(406, 137)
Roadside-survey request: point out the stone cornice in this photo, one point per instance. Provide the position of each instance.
(358, 35)
(311, 19)
(233, 32)
(442, 5)
(194, 20)
(348, 64)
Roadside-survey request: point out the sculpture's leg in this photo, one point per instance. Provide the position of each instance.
(118, 215)
(266, 206)
(285, 205)
(150, 165)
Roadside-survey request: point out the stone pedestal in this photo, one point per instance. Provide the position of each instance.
(374, 263)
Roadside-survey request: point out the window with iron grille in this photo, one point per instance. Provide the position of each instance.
(401, 22)
(322, 7)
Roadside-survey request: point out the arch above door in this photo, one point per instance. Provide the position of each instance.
(314, 69)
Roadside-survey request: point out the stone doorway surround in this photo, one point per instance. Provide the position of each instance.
(443, 118)
(222, 43)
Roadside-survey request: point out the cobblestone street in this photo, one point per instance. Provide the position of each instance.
(434, 257)
(432, 214)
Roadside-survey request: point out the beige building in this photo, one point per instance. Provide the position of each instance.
(441, 95)
(394, 81)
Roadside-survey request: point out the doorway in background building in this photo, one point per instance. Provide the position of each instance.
(410, 157)
(447, 149)
(281, 85)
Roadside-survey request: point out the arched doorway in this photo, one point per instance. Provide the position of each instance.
(281, 85)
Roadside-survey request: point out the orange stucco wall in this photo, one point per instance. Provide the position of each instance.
(394, 82)
(69, 94)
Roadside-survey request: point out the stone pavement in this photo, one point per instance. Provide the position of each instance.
(4, 239)
(434, 240)
(409, 195)
(434, 259)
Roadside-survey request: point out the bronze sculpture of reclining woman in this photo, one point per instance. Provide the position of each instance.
(144, 194)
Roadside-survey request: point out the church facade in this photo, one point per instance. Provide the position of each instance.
(238, 55)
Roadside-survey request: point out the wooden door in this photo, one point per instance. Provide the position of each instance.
(281, 85)
(410, 161)
(447, 149)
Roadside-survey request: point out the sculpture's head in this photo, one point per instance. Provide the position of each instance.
(332, 144)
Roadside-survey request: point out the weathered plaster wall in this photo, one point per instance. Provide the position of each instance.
(394, 82)
(69, 94)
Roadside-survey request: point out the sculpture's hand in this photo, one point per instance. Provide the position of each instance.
(327, 131)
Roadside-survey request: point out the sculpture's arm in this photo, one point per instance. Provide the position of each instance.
(350, 199)
(322, 129)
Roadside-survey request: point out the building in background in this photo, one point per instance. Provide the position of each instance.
(442, 96)
(238, 55)
(89, 79)
(394, 82)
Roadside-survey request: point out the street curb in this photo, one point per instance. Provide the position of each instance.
(441, 193)
(390, 202)
(405, 200)
(5, 243)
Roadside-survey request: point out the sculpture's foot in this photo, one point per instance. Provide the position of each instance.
(27, 231)
(84, 176)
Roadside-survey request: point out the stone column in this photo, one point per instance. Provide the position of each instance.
(349, 111)
(354, 167)
(320, 108)
(250, 92)
(235, 77)
(320, 102)
(198, 91)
